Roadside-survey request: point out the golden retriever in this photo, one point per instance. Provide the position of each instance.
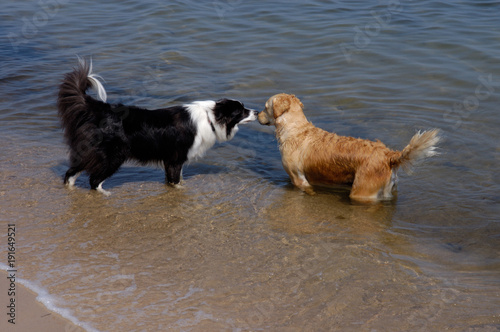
(313, 156)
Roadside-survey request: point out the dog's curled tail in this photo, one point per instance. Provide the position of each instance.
(75, 84)
(421, 146)
(72, 99)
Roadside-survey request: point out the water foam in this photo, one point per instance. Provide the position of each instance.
(50, 301)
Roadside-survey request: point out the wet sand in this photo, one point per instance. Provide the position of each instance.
(31, 315)
(230, 250)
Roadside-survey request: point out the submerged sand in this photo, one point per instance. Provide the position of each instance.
(232, 249)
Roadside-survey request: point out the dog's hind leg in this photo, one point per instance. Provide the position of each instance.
(390, 185)
(102, 191)
(76, 167)
(364, 194)
(367, 186)
(107, 169)
(96, 182)
(71, 175)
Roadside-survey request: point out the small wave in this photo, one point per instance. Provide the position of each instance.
(50, 301)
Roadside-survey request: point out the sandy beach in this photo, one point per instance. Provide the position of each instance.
(30, 315)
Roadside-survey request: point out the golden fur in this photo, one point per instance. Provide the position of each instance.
(313, 156)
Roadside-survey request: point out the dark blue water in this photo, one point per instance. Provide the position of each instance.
(238, 248)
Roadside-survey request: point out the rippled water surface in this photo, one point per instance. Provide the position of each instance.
(237, 247)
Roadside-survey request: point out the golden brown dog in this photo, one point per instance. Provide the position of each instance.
(312, 156)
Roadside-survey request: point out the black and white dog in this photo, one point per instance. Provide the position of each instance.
(102, 136)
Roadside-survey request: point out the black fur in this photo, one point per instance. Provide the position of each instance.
(102, 136)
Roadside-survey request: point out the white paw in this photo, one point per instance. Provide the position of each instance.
(72, 180)
(102, 191)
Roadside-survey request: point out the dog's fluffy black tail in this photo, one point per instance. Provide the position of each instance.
(72, 100)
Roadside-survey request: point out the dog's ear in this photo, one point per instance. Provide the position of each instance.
(296, 102)
(281, 104)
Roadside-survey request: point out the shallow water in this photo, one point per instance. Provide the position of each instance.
(237, 247)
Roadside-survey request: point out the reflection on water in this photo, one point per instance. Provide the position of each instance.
(237, 246)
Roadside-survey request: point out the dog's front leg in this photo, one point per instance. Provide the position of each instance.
(300, 181)
(173, 173)
(308, 189)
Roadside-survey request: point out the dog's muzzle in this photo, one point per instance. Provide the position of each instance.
(263, 119)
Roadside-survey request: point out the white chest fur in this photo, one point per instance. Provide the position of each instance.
(201, 113)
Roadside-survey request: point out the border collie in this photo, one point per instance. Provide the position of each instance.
(102, 136)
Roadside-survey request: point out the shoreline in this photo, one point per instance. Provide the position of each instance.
(30, 314)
